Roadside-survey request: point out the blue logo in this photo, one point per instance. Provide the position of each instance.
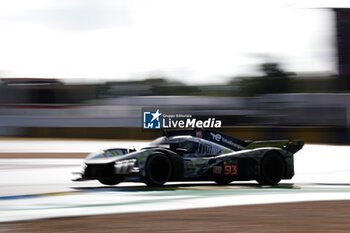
(152, 120)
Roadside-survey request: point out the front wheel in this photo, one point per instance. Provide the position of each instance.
(272, 169)
(159, 170)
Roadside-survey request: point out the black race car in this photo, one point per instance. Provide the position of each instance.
(195, 155)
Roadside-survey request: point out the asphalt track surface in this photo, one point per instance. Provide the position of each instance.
(42, 188)
(315, 217)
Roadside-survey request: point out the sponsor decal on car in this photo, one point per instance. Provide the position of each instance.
(217, 170)
(220, 138)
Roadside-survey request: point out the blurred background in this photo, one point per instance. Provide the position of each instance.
(86, 68)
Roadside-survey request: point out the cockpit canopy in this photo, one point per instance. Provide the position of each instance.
(190, 145)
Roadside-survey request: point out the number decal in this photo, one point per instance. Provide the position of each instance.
(230, 170)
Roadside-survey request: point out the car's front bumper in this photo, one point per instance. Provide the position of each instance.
(125, 169)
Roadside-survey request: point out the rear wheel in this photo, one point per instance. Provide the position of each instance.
(109, 181)
(272, 169)
(158, 170)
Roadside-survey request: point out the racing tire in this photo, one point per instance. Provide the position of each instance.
(159, 170)
(223, 180)
(109, 181)
(272, 169)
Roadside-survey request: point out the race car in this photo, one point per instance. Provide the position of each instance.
(194, 155)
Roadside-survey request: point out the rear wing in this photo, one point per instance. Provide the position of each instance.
(213, 136)
(289, 145)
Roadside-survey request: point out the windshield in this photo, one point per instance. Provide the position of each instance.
(162, 141)
(175, 143)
